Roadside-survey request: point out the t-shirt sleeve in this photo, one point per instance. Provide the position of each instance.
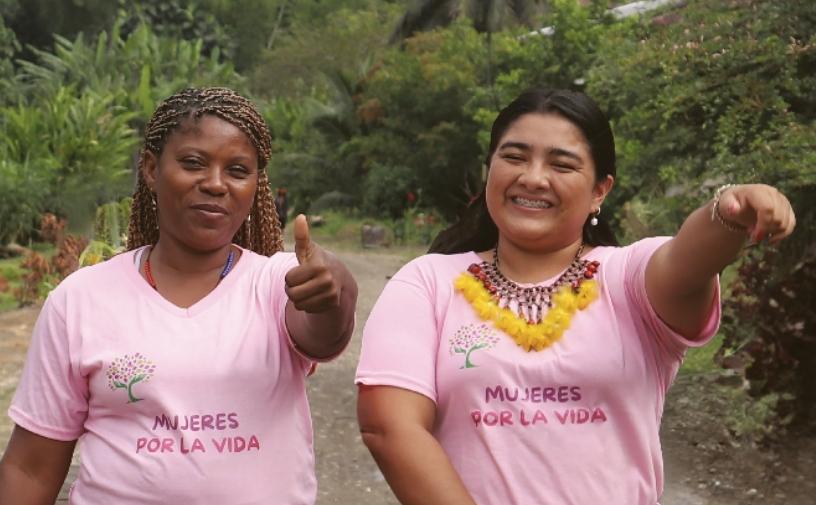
(52, 396)
(401, 337)
(637, 257)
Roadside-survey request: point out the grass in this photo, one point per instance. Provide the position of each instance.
(701, 359)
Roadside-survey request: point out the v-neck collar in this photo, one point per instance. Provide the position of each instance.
(144, 288)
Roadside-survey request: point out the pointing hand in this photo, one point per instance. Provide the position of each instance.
(762, 210)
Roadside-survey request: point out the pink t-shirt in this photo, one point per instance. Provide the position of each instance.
(201, 405)
(574, 424)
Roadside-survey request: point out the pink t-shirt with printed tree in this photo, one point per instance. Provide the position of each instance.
(573, 424)
(200, 405)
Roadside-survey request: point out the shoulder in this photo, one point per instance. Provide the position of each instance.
(279, 261)
(622, 254)
(92, 282)
(626, 265)
(104, 275)
(266, 273)
(435, 267)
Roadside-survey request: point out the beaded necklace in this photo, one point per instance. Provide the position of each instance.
(149, 272)
(535, 317)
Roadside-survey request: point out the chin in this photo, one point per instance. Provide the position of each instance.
(209, 242)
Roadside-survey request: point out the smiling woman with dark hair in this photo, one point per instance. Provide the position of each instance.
(180, 365)
(527, 361)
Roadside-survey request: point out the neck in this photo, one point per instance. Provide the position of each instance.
(526, 265)
(178, 259)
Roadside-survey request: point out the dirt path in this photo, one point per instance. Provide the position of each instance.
(348, 476)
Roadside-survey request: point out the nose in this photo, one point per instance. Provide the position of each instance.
(213, 181)
(536, 176)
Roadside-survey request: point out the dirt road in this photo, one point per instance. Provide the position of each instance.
(346, 473)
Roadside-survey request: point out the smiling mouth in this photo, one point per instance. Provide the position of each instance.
(530, 203)
(213, 209)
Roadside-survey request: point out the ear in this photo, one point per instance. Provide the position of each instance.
(150, 170)
(601, 189)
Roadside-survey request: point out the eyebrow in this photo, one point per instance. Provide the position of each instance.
(557, 151)
(516, 145)
(199, 150)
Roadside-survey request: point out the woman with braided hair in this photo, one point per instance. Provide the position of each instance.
(180, 364)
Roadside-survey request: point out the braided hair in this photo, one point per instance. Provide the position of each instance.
(262, 232)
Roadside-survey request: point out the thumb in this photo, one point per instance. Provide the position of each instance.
(303, 243)
(730, 207)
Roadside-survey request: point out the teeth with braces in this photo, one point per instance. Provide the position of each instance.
(537, 204)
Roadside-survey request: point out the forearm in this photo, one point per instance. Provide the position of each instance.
(21, 488)
(416, 467)
(324, 334)
(701, 249)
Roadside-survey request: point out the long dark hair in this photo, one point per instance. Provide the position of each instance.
(475, 230)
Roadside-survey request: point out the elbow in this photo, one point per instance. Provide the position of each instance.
(374, 438)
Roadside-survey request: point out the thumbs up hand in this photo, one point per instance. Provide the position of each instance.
(313, 286)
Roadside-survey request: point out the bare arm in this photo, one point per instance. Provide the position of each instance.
(33, 468)
(322, 298)
(396, 427)
(681, 275)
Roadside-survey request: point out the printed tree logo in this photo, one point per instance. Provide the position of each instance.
(470, 338)
(129, 370)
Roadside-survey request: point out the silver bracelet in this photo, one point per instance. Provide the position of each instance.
(716, 215)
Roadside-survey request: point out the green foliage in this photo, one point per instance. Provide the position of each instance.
(724, 92)
(748, 418)
(97, 252)
(69, 133)
(708, 99)
(136, 70)
(110, 225)
(701, 359)
(178, 19)
(36, 21)
(24, 190)
(770, 323)
(67, 154)
(431, 132)
(386, 189)
(346, 42)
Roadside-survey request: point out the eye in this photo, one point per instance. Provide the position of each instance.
(191, 163)
(239, 171)
(512, 157)
(563, 167)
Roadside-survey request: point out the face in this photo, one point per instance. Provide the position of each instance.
(541, 185)
(205, 182)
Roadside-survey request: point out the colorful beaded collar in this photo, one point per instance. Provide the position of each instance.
(535, 317)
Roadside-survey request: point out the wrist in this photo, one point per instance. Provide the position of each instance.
(717, 216)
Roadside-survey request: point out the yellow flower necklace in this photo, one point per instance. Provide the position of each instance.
(519, 310)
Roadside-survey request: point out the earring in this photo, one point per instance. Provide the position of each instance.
(153, 200)
(594, 220)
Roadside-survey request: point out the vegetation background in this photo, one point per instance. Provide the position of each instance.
(380, 112)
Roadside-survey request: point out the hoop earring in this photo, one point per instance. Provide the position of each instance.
(594, 220)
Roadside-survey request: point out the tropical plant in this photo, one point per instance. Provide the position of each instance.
(178, 19)
(76, 148)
